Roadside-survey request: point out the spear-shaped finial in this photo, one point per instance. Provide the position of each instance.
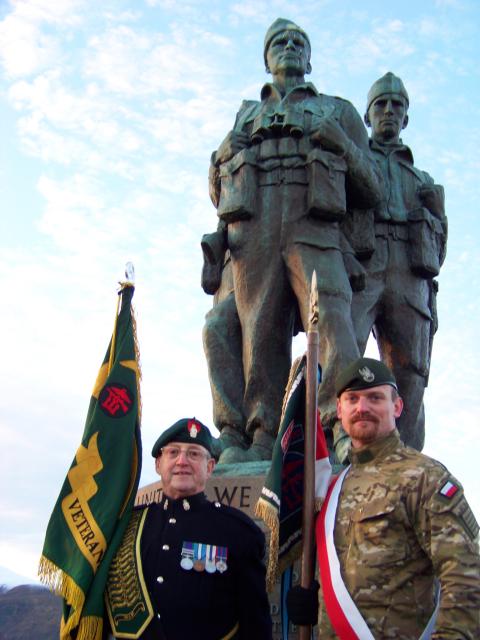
(313, 317)
(130, 272)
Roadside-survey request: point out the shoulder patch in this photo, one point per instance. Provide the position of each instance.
(449, 489)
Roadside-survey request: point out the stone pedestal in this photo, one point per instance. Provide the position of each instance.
(237, 485)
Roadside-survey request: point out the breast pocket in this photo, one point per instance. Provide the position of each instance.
(378, 534)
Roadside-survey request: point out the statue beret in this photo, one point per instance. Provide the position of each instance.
(389, 83)
(189, 430)
(279, 26)
(364, 373)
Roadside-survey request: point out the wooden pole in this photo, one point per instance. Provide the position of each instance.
(311, 407)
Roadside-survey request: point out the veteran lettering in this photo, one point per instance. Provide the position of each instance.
(80, 520)
(87, 534)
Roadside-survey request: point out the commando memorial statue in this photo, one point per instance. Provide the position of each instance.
(282, 181)
(405, 245)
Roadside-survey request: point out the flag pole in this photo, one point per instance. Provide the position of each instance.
(311, 408)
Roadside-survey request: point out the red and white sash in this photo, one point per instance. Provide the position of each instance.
(345, 618)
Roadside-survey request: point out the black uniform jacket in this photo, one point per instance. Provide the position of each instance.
(229, 599)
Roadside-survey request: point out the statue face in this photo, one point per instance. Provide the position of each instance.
(288, 53)
(388, 116)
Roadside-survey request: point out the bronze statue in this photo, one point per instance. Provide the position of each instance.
(282, 181)
(408, 238)
(222, 342)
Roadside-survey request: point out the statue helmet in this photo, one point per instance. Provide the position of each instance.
(279, 26)
(389, 83)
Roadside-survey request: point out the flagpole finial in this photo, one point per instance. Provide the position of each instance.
(130, 273)
(313, 317)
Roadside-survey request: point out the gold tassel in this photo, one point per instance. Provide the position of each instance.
(64, 586)
(60, 583)
(90, 628)
(269, 515)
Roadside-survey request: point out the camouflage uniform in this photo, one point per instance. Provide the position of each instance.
(395, 532)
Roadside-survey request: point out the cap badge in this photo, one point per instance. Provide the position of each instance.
(366, 374)
(193, 429)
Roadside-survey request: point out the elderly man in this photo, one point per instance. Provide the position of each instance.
(394, 523)
(409, 234)
(188, 568)
(281, 181)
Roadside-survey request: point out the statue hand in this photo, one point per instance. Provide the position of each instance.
(433, 198)
(331, 137)
(234, 142)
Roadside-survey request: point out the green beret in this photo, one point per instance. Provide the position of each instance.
(387, 84)
(364, 373)
(279, 26)
(189, 430)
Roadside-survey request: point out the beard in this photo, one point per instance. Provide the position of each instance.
(364, 427)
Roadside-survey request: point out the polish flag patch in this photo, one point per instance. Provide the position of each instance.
(449, 489)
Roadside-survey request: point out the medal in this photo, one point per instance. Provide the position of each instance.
(221, 559)
(187, 556)
(199, 565)
(186, 563)
(199, 562)
(210, 566)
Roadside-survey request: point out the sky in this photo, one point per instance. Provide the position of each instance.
(109, 113)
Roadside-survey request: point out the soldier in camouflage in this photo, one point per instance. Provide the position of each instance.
(402, 524)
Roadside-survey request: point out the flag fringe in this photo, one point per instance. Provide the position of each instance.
(269, 515)
(90, 628)
(60, 583)
(137, 358)
(64, 586)
(291, 378)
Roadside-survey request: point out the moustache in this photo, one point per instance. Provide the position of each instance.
(364, 415)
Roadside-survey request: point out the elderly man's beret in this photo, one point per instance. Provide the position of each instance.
(189, 430)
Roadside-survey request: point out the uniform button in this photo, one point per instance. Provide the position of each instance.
(158, 615)
(160, 579)
(172, 521)
(166, 547)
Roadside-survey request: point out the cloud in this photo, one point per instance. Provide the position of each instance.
(26, 48)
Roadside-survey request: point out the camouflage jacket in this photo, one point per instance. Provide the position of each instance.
(402, 521)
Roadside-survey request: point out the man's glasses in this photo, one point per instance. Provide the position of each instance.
(172, 453)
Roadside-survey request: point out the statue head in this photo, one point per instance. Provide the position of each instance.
(287, 30)
(387, 106)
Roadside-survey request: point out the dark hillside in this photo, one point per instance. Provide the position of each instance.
(29, 613)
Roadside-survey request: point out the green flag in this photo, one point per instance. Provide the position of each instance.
(96, 500)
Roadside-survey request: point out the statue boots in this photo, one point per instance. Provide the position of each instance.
(230, 437)
(261, 449)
